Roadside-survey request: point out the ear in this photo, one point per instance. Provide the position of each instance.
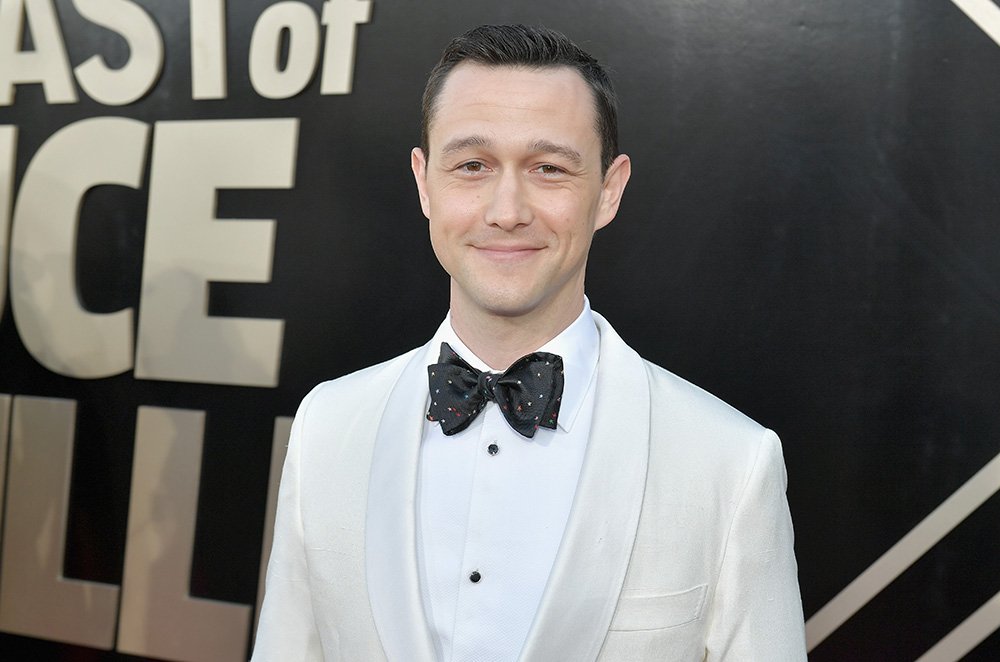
(418, 164)
(615, 180)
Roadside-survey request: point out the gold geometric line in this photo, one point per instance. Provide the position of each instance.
(970, 633)
(983, 13)
(904, 553)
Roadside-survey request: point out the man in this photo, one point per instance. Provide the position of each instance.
(551, 496)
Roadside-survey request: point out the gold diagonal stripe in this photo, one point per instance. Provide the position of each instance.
(982, 623)
(904, 553)
(983, 13)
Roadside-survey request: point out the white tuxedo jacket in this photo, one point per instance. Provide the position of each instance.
(678, 546)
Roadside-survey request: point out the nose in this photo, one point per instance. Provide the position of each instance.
(508, 206)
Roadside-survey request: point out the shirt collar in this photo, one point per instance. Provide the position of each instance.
(578, 345)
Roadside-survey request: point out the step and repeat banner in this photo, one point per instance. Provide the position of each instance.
(206, 208)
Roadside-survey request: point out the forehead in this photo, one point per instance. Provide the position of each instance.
(514, 100)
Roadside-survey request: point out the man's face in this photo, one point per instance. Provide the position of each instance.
(513, 188)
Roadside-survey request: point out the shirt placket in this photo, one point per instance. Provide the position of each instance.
(481, 583)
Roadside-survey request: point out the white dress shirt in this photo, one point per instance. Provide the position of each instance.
(494, 503)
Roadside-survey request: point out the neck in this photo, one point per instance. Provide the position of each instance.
(499, 340)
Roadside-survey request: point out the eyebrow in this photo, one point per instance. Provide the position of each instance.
(540, 146)
(549, 147)
(458, 144)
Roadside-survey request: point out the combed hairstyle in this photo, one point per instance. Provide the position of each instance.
(530, 47)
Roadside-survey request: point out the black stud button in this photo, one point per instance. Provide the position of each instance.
(492, 449)
(475, 577)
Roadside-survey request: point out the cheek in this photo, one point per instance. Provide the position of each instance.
(438, 237)
(573, 223)
(569, 211)
(448, 231)
(440, 245)
(454, 218)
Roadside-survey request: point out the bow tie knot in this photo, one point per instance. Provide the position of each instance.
(486, 384)
(529, 392)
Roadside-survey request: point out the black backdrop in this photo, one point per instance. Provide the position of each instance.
(810, 233)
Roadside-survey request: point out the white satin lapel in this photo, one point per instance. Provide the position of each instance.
(390, 531)
(589, 570)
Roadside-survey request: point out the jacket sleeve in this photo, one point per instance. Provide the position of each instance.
(287, 627)
(757, 611)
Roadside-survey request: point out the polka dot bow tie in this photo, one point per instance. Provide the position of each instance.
(528, 393)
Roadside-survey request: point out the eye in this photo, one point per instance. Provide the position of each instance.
(473, 167)
(549, 169)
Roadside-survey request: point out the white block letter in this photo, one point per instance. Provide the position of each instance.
(8, 151)
(208, 49)
(303, 50)
(47, 64)
(279, 446)
(117, 87)
(159, 618)
(53, 326)
(341, 17)
(35, 599)
(186, 246)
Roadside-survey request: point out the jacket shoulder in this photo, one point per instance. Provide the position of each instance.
(682, 414)
(356, 393)
(679, 395)
(692, 429)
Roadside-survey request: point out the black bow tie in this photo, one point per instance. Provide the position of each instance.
(528, 392)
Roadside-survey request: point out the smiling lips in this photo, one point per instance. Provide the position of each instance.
(507, 252)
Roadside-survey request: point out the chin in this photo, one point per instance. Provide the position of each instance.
(507, 304)
(509, 308)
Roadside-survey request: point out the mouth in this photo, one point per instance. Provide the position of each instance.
(507, 253)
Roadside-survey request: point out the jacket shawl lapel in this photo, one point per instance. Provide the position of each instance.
(390, 530)
(589, 571)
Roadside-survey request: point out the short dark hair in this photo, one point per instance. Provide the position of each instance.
(532, 47)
